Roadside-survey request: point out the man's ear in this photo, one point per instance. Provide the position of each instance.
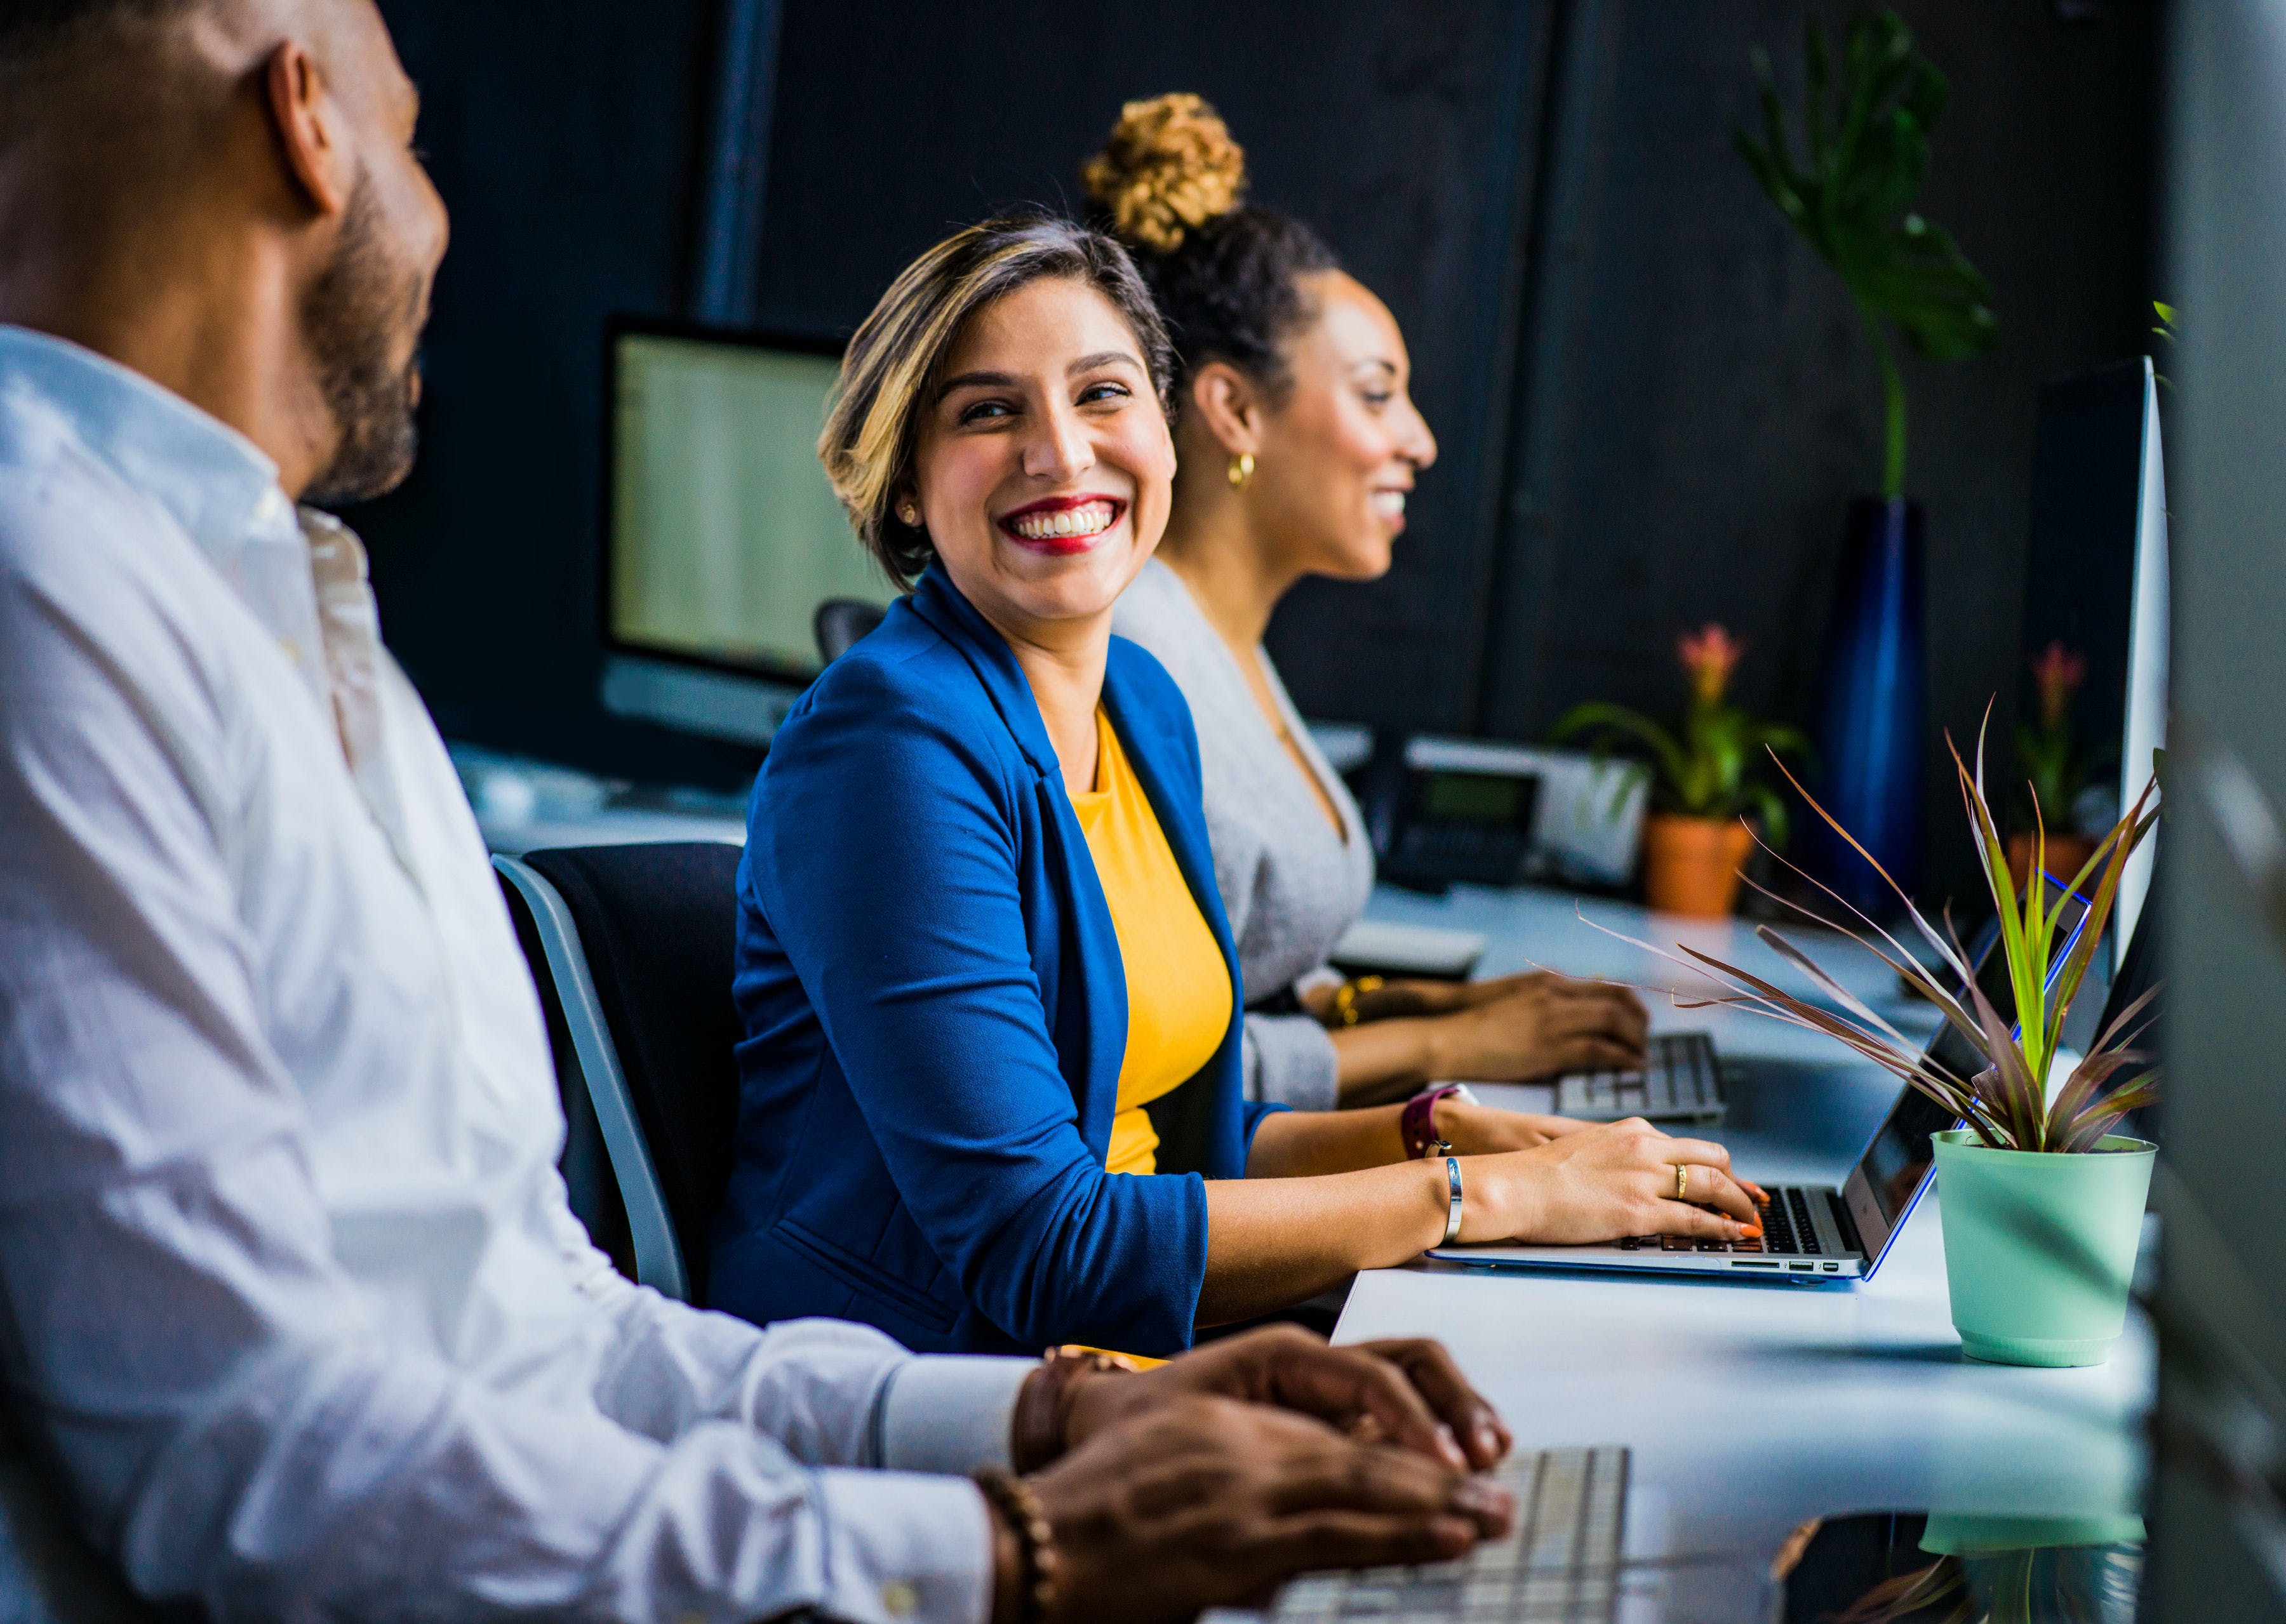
(312, 131)
(1228, 404)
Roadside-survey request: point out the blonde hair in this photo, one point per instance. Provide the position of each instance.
(873, 424)
(1169, 168)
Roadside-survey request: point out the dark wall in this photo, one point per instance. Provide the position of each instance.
(569, 154)
(1719, 403)
(1706, 404)
(1405, 131)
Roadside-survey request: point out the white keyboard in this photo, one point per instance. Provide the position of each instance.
(1559, 1564)
(1680, 1082)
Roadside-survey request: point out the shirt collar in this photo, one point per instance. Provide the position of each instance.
(214, 481)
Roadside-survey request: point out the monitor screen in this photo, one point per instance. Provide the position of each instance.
(725, 536)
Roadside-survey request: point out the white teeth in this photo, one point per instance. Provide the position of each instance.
(1389, 504)
(1091, 519)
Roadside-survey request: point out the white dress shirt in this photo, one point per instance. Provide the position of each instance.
(289, 1290)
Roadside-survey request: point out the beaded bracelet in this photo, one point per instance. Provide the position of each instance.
(1040, 1563)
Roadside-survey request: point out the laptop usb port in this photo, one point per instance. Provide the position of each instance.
(1805, 1268)
(1745, 1262)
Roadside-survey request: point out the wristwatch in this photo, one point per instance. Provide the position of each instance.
(1418, 1123)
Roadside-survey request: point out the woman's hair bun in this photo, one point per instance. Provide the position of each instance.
(1170, 167)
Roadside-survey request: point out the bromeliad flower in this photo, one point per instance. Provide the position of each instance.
(2059, 672)
(1709, 655)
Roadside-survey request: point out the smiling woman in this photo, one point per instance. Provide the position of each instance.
(990, 1085)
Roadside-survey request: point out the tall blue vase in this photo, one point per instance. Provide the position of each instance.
(1869, 736)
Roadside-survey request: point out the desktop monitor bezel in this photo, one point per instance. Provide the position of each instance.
(782, 680)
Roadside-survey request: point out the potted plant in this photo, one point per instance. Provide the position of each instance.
(1696, 838)
(1865, 120)
(2042, 1204)
(2055, 769)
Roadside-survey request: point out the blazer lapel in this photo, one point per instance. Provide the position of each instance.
(1094, 1072)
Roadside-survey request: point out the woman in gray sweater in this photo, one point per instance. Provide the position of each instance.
(1298, 445)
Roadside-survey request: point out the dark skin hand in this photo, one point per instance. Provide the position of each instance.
(1208, 1501)
(1408, 1392)
(1504, 1030)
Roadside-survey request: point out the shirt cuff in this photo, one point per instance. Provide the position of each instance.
(1289, 1059)
(949, 1414)
(903, 1547)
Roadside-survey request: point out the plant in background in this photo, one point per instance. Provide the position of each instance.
(1699, 766)
(2006, 1104)
(1864, 143)
(2054, 766)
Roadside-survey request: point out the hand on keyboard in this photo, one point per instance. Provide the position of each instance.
(1208, 1501)
(1604, 1183)
(1484, 1130)
(1537, 1026)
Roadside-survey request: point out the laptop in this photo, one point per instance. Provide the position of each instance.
(1560, 1562)
(1813, 1233)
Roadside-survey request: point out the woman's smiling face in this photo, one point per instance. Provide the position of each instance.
(1043, 468)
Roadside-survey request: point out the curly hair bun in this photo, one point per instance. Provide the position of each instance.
(1169, 168)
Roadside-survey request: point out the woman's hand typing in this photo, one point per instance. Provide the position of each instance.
(1604, 1182)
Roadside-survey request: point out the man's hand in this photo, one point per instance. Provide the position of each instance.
(1539, 1025)
(1201, 1501)
(1407, 1392)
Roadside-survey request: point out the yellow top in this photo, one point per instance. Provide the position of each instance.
(1178, 991)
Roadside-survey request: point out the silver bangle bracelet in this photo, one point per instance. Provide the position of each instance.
(1452, 1215)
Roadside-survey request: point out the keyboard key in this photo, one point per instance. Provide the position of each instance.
(1713, 1246)
(1675, 1244)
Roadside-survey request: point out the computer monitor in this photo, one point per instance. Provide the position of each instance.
(2096, 576)
(721, 536)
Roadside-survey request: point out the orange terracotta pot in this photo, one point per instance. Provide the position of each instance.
(1691, 865)
(2066, 853)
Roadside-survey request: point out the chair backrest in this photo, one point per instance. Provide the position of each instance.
(840, 622)
(658, 925)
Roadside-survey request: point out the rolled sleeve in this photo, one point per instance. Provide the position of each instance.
(1289, 1059)
(951, 1414)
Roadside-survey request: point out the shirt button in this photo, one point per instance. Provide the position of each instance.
(897, 1598)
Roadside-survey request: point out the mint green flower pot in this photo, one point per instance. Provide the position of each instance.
(2038, 1248)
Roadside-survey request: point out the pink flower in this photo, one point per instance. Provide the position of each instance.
(1709, 655)
(2059, 672)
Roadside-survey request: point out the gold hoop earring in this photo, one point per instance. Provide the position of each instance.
(1242, 469)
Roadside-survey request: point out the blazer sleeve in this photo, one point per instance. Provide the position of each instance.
(884, 855)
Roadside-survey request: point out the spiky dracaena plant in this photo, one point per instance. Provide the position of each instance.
(2007, 1103)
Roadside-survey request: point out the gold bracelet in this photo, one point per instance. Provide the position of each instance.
(1345, 997)
(1020, 1509)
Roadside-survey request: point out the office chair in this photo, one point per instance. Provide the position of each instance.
(840, 622)
(636, 943)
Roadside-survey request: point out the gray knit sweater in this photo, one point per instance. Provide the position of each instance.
(1290, 885)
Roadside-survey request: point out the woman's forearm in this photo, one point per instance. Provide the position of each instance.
(1384, 1060)
(1305, 1144)
(1273, 1242)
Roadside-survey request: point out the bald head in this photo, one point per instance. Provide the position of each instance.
(252, 229)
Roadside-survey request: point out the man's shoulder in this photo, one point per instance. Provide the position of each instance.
(92, 573)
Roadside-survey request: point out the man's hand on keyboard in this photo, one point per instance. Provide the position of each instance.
(1406, 1393)
(1208, 1501)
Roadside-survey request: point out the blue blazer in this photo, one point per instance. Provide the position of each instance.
(935, 1011)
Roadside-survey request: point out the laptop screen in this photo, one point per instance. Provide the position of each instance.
(1896, 1161)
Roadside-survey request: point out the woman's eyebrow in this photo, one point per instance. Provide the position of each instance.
(1102, 358)
(1386, 366)
(979, 380)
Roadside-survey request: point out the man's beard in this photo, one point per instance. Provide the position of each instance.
(356, 312)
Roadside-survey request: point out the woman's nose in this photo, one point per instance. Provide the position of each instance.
(1060, 450)
(1420, 444)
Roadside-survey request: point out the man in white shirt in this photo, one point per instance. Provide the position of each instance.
(290, 1299)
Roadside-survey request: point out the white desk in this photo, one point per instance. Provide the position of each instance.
(1753, 1407)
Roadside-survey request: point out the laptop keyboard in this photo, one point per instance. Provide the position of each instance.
(1679, 1081)
(1788, 1231)
(1559, 1564)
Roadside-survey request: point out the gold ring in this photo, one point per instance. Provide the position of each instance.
(1683, 1181)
